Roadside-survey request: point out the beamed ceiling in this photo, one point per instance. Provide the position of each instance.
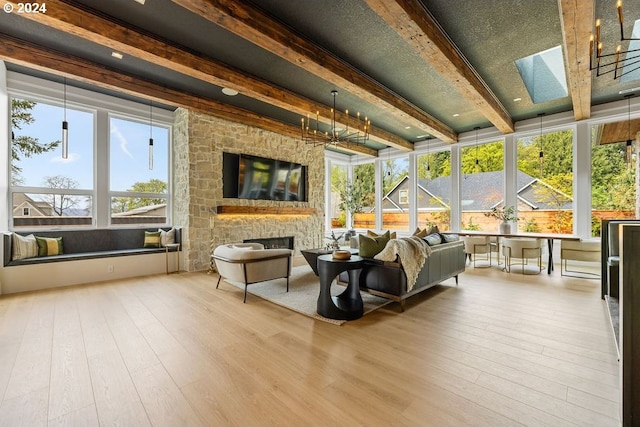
(417, 69)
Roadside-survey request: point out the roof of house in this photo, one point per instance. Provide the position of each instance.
(483, 191)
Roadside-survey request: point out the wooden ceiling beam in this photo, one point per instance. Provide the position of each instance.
(261, 29)
(576, 18)
(27, 54)
(413, 22)
(72, 20)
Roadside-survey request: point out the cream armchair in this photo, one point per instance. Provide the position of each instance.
(580, 250)
(524, 249)
(251, 263)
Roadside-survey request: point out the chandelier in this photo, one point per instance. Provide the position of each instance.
(356, 131)
(611, 62)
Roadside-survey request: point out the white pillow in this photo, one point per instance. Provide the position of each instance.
(167, 237)
(24, 246)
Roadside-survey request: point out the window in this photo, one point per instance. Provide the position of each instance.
(482, 184)
(106, 179)
(138, 187)
(613, 179)
(403, 197)
(364, 179)
(395, 216)
(434, 190)
(59, 191)
(338, 184)
(545, 183)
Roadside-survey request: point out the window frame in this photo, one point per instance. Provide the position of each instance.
(101, 106)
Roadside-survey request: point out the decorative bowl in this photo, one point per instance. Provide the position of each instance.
(341, 254)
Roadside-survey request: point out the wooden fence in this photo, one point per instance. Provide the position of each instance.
(549, 221)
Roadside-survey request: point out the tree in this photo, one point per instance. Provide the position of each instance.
(60, 203)
(23, 145)
(125, 204)
(439, 164)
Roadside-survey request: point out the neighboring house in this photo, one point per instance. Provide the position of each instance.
(483, 194)
(25, 206)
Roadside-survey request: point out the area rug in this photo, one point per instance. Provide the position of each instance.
(304, 287)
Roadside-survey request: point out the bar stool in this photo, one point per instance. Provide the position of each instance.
(524, 248)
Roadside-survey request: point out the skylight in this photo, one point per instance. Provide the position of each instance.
(543, 75)
(630, 71)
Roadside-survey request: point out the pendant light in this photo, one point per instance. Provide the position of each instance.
(629, 146)
(477, 162)
(151, 135)
(428, 161)
(65, 125)
(541, 155)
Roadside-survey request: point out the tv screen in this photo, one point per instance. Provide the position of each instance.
(252, 177)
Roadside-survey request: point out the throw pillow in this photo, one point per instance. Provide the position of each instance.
(49, 246)
(167, 237)
(392, 235)
(432, 229)
(371, 246)
(450, 237)
(151, 239)
(24, 246)
(433, 239)
(420, 233)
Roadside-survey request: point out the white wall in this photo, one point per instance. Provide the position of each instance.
(22, 278)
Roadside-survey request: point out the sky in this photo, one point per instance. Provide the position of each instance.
(128, 154)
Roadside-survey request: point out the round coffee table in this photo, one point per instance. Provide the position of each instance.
(348, 305)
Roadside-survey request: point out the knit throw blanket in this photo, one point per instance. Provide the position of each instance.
(412, 251)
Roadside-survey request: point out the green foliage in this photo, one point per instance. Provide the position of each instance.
(125, 204)
(24, 145)
(490, 158)
(471, 225)
(557, 148)
(530, 226)
(439, 164)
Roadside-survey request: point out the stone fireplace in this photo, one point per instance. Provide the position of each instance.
(199, 141)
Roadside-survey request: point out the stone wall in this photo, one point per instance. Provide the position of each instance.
(199, 141)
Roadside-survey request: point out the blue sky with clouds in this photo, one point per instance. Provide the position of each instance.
(128, 154)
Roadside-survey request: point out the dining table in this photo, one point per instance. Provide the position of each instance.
(549, 237)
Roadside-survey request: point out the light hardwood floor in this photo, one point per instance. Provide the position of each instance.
(498, 350)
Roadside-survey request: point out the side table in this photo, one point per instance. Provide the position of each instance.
(348, 305)
(172, 247)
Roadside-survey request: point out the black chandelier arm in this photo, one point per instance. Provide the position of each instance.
(615, 70)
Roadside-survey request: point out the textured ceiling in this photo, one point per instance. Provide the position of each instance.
(490, 34)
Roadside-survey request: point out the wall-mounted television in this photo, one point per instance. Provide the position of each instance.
(252, 177)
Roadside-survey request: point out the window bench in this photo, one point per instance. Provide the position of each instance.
(89, 244)
(90, 256)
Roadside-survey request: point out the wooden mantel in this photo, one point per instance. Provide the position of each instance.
(265, 210)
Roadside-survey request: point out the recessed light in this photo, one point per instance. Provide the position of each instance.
(407, 127)
(117, 55)
(517, 99)
(456, 115)
(229, 92)
(422, 136)
(140, 1)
